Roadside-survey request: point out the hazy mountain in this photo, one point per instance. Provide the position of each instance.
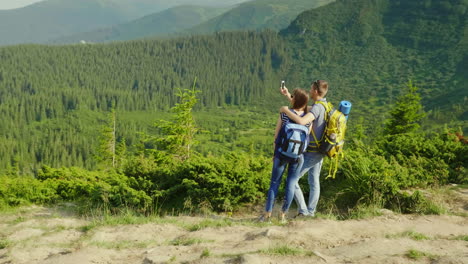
(52, 19)
(260, 14)
(162, 23)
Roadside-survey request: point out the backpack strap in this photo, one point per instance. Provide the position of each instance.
(334, 165)
(327, 107)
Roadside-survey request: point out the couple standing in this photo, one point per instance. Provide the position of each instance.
(310, 161)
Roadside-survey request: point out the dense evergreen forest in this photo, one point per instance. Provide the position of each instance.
(53, 96)
(55, 100)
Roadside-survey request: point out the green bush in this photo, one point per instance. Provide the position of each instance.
(101, 188)
(438, 156)
(225, 182)
(415, 203)
(367, 178)
(371, 175)
(231, 180)
(16, 191)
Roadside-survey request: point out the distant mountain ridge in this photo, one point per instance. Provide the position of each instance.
(183, 20)
(163, 23)
(52, 19)
(259, 14)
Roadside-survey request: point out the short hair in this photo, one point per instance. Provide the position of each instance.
(321, 86)
(301, 98)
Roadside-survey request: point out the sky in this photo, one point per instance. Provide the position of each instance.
(12, 4)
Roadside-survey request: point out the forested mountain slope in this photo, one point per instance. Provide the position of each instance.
(259, 14)
(368, 49)
(53, 99)
(162, 23)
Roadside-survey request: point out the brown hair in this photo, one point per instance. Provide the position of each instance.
(301, 98)
(321, 86)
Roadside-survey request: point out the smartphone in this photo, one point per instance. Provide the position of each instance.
(282, 84)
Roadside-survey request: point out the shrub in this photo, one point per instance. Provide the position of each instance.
(367, 178)
(438, 156)
(225, 182)
(16, 191)
(108, 189)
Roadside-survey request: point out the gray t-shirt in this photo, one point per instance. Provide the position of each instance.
(318, 125)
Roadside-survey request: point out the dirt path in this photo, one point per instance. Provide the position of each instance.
(44, 235)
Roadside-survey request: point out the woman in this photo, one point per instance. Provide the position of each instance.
(299, 102)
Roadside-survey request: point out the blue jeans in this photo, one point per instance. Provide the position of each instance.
(313, 165)
(279, 166)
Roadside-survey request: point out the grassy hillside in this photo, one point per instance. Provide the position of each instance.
(259, 14)
(159, 24)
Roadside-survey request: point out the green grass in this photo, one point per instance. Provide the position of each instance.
(326, 215)
(462, 214)
(188, 241)
(127, 217)
(206, 253)
(410, 234)
(460, 237)
(4, 243)
(218, 223)
(15, 210)
(285, 250)
(363, 212)
(18, 220)
(131, 218)
(236, 257)
(432, 208)
(123, 244)
(416, 255)
(208, 223)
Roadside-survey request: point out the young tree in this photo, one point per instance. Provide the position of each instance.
(178, 136)
(107, 156)
(407, 113)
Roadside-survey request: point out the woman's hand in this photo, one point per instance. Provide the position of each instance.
(284, 91)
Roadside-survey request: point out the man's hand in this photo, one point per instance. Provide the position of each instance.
(283, 109)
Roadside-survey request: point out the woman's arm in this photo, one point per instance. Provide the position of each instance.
(278, 126)
(279, 123)
(304, 120)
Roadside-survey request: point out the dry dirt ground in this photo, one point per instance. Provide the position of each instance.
(54, 235)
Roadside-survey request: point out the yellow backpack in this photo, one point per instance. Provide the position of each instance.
(332, 141)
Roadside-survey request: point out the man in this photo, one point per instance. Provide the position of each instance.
(312, 158)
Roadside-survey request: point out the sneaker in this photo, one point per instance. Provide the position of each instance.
(264, 219)
(283, 219)
(300, 216)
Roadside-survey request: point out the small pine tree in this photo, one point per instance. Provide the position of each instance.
(178, 136)
(106, 152)
(407, 113)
